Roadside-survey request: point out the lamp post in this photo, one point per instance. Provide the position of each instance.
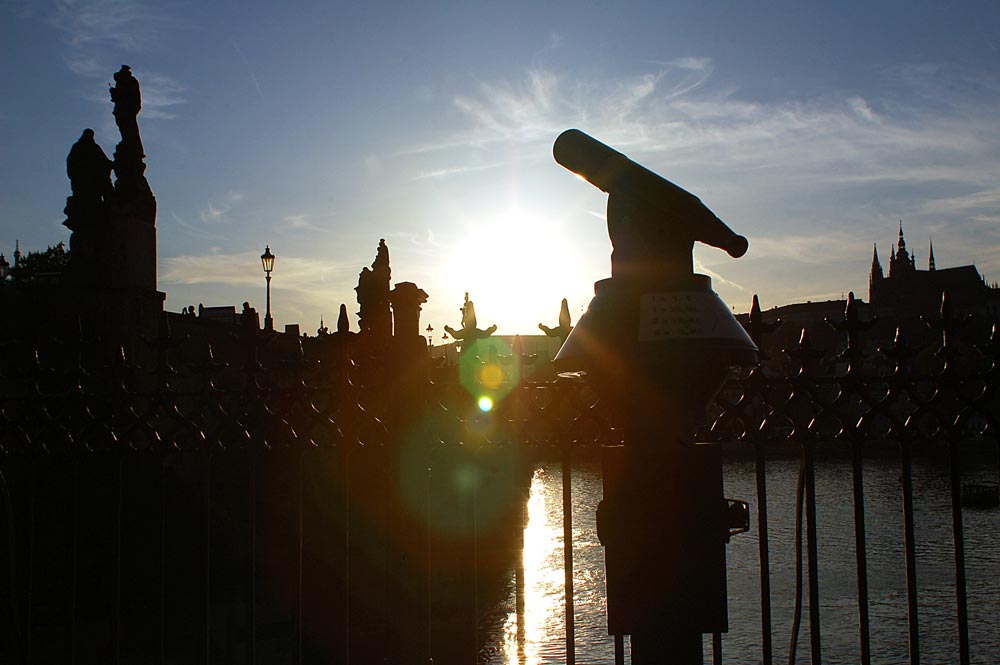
(430, 338)
(267, 261)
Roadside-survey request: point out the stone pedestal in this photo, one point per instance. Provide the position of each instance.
(115, 253)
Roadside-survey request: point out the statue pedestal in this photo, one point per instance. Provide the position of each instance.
(118, 252)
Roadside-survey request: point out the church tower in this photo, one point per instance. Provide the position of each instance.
(876, 276)
(901, 262)
(907, 291)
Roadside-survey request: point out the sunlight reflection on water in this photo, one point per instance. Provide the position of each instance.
(543, 591)
(542, 639)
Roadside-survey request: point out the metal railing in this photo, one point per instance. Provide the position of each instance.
(171, 500)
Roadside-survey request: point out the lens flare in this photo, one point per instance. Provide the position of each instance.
(485, 404)
(488, 368)
(444, 486)
(491, 376)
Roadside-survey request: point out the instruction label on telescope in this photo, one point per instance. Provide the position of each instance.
(676, 316)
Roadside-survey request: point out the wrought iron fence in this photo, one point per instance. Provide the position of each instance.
(324, 500)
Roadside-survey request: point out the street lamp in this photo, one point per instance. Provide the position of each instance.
(267, 261)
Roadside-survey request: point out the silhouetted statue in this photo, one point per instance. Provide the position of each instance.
(563, 329)
(89, 171)
(469, 331)
(128, 102)
(367, 293)
(132, 194)
(341, 341)
(373, 295)
(249, 320)
(381, 263)
(343, 324)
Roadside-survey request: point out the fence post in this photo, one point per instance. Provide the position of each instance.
(755, 385)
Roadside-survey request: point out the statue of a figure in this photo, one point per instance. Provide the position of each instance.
(89, 171)
(373, 295)
(343, 324)
(249, 321)
(381, 263)
(469, 331)
(468, 310)
(132, 192)
(128, 101)
(564, 328)
(366, 289)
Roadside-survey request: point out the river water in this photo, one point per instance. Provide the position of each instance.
(541, 639)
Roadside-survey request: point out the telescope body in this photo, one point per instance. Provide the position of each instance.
(653, 223)
(658, 344)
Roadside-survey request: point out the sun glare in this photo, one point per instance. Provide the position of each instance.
(516, 267)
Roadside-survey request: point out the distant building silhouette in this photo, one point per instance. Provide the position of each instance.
(897, 297)
(907, 291)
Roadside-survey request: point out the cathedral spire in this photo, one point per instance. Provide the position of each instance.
(876, 266)
(930, 257)
(876, 276)
(903, 262)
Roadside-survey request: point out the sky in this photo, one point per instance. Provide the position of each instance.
(317, 128)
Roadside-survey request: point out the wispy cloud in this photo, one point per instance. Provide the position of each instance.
(97, 32)
(159, 95)
(674, 110)
(542, 103)
(425, 243)
(250, 70)
(700, 267)
(983, 204)
(456, 170)
(197, 230)
(831, 247)
(302, 222)
(125, 25)
(218, 209)
(811, 180)
(243, 269)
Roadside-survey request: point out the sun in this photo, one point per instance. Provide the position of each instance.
(517, 266)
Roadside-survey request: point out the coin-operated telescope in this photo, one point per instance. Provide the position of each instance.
(658, 343)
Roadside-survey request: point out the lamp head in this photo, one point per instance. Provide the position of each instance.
(267, 260)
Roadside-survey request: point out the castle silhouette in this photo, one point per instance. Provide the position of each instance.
(906, 291)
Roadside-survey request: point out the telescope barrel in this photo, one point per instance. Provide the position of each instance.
(614, 173)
